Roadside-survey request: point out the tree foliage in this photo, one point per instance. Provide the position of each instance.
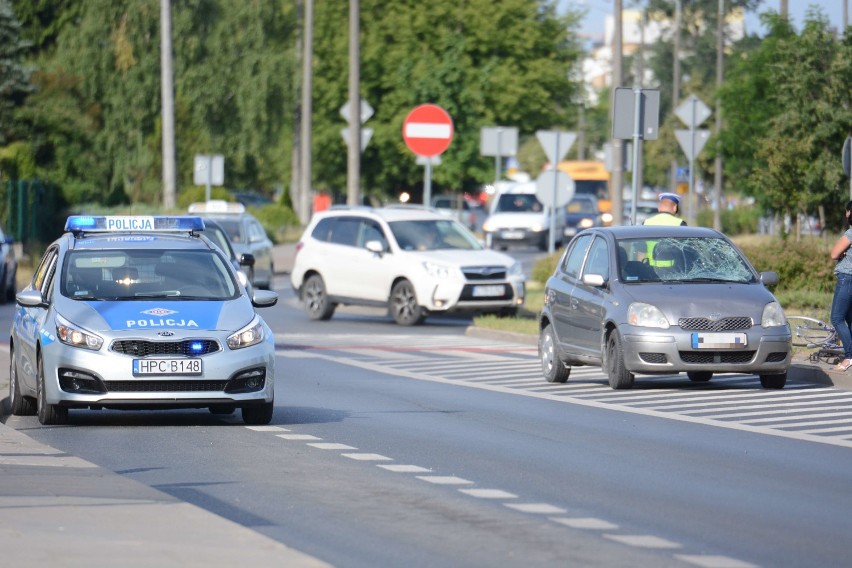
(14, 75)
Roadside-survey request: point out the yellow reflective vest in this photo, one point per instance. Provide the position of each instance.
(661, 219)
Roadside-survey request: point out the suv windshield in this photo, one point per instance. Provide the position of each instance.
(144, 274)
(517, 203)
(682, 260)
(433, 235)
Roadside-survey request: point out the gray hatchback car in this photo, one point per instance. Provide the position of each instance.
(661, 300)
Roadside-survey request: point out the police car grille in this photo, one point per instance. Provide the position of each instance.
(706, 324)
(139, 348)
(166, 386)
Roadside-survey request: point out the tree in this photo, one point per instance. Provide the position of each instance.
(14, 76)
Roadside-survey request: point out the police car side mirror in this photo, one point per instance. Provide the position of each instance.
(264, 298)
(247, 259)
(30, 299)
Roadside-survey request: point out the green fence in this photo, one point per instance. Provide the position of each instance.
(31, 211)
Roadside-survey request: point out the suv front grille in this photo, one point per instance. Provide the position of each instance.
(186, 347)
(706, 324)
(474, 273)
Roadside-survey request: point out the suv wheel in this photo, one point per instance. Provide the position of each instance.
(403, 305)
(317, 304)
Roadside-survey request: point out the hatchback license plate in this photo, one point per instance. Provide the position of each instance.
(719, 340)
(488, 291)
(166, 367)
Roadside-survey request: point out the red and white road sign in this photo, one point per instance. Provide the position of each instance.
(427, 130)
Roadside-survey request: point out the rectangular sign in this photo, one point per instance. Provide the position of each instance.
(498, 141)
(624, 114)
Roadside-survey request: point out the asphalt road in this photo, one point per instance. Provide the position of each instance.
(427, 447)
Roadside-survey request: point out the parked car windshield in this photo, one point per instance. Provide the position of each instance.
(433, 235)
(682, 260)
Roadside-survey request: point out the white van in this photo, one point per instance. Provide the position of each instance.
(517, 218)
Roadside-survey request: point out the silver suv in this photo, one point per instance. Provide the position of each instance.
(412, 260)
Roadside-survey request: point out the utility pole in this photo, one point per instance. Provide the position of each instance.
(783, 11)
(354, 157)
(167, 91)
(676, 83)
(303, 208)
(717, 177)
(617, 181)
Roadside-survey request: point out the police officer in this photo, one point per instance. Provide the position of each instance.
(667, 211)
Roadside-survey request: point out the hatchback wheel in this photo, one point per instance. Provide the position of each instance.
(317, 304)
(619, 376)
(773, 381)
(21, 405)
(48, 414)
(403, 305)
(552, 367)
(700, 376)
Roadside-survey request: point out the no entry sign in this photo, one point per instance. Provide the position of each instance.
(427, 130)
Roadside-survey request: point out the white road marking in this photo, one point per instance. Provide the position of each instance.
(589, 523)
(401, 468)
(267, 428)
(332, 446)
(298, 437)
(367, 457)
(642, 541)
(489, 493)
(714, 561)
(537, 508)
(445, 479)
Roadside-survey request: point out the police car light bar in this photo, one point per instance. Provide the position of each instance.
(132, 223)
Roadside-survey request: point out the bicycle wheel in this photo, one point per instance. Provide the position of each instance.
(810, 332)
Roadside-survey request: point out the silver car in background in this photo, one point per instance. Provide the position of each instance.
(661, 300)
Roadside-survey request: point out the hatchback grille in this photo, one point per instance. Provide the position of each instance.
(656, 358)
(474, 273)
(715, 357)
(165, 386)
(706, 324)
(186, 347)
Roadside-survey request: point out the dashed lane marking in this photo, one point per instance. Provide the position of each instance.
(489, 493)
(536, 508)
(642, 541)
(367, 457)
(588, 523)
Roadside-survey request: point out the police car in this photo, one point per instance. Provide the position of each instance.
(139, 312)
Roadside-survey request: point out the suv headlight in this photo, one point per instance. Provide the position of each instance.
(646, 315)
(516, 269)
(70, 334)
(438, 270)
(773, 315)
(252, 334)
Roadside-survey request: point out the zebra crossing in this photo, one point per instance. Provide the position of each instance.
(801, 410)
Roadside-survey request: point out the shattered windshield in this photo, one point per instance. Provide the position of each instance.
(681, 260)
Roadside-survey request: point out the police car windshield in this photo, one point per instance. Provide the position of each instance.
(145, 274)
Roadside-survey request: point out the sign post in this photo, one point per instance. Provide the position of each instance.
(692, 112)
(427, 131)
(209, 170)
(556, 144)
(636, 115)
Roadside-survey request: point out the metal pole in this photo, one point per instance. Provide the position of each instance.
(354, 157)
(303, 207)
(693, 101)
(637, 145)
(676, 83)
(617, 180)
(209, 176)
(551, 246)
(717, 163)
(168, 105)
(427, 183)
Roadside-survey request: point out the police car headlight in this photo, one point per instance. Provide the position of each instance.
(250, 335)
(437, 270)
(70, 334)
(646, 315)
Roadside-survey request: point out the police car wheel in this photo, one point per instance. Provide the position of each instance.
(48, 414)
(258, 415)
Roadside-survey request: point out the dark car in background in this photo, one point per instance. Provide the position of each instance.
(582, 212)
(8, 268)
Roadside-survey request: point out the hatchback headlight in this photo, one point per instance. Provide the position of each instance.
(646, 315)
(70, 334)
(252, 334)
(773, 315)
(437, 270)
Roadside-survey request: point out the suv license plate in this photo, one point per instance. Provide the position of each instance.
(488, 291)
(151, 367)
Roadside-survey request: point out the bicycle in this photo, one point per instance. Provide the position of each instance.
(816, 334)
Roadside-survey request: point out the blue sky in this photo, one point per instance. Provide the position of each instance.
(597, 10)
